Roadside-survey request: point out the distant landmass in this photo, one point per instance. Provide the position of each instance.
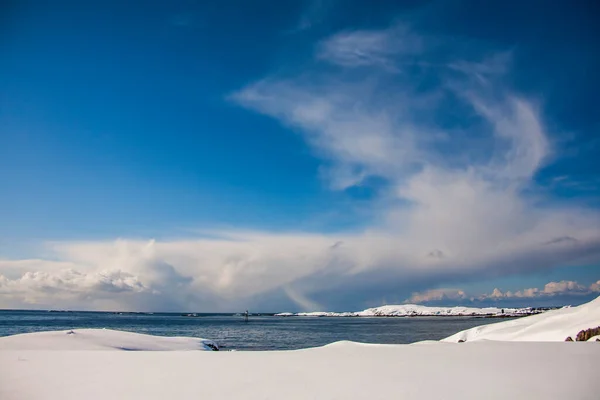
(414, 310)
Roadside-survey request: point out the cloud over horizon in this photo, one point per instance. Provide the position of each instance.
(456, 148)
(570, 289)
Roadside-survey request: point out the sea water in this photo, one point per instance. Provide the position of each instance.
(260, 332)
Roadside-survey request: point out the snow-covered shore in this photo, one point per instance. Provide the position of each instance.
(102, 339)
(523, 359)
(413, 310)
(552, 326)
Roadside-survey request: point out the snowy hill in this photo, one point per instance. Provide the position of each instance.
(409, 310)
(101, 339)
(550, 326)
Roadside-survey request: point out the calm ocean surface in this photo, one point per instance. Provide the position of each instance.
(259, 333)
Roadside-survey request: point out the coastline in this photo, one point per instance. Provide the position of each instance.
(516, 359)
(416, 310)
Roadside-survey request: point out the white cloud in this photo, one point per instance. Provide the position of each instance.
(436, 295)
(460, 197)
(563, 286)
(550, 289)
(358, 136)
(49, 286)
(370, 47)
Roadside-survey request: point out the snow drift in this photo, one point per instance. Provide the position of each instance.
(102, 339)
(550, 326)
(432, 370)
(477, 369)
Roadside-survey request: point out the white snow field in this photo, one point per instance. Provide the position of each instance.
(480, 370)
(551, 326)
(408, 310)
(504, 368)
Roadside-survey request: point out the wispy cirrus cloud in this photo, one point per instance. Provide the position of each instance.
(367, 48)
(314, 14)
(459, 148)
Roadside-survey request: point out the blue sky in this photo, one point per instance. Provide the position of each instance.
(298, 155)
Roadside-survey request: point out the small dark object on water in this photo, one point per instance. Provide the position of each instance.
(246, 316)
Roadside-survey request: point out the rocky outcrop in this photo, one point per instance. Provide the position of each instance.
(585, 335)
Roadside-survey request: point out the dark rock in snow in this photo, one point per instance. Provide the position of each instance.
(585, 335)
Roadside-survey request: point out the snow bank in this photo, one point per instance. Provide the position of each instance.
(101, 339)
(411, 310)
(476, 369)
(550, 326)
(480, 370)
